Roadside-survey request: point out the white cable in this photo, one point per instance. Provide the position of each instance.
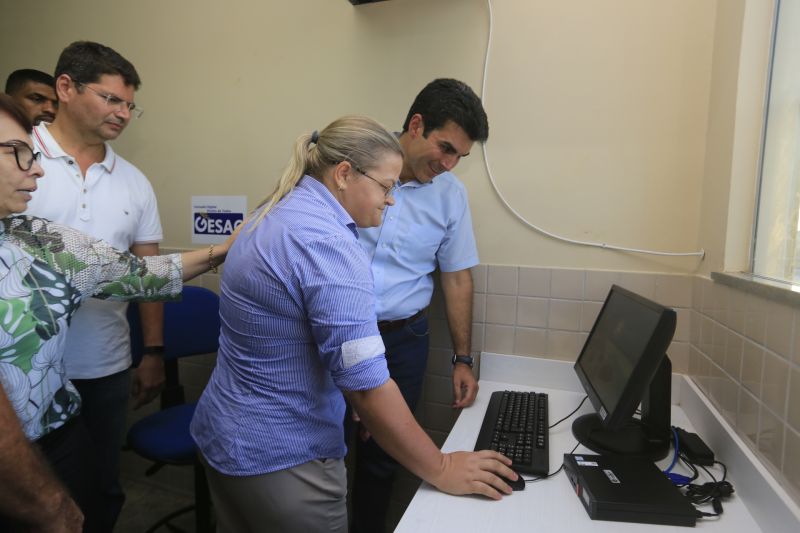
(604, 245)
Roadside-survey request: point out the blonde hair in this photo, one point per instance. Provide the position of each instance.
(357, 139)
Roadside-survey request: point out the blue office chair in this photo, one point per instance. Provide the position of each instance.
(191, 327)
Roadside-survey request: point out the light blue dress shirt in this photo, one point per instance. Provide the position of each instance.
(298, 327)
(428, 224)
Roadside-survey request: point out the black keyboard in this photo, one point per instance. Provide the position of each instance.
(516, 425)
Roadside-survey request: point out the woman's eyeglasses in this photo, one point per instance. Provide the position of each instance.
(387, 191)
(23, 153)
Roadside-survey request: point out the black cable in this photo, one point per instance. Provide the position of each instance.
(569, 415)
(710, 492)
(559, 468)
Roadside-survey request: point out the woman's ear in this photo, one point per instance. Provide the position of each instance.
(341, 173)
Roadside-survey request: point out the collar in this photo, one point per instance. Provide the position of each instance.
(321, 191)
(52, 150)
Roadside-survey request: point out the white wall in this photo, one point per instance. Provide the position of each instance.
(599, 111)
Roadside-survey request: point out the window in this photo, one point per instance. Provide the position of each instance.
(776, 252)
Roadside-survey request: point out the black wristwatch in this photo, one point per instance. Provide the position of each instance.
(466, 359)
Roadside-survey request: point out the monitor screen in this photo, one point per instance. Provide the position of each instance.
(623, 353)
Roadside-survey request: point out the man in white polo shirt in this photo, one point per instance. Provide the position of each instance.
(91, 188)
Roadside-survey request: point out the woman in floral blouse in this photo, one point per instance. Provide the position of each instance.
(46, 270)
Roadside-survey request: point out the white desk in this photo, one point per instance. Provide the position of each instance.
(759, 504)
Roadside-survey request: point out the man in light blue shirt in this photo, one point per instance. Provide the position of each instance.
(428, 226)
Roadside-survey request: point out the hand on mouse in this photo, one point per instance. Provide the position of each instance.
(475, 473)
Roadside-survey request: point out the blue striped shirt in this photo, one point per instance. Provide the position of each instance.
(298, 326)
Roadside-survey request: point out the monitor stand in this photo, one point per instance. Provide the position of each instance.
(649, 437)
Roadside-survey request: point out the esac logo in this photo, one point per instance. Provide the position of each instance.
(217, 223)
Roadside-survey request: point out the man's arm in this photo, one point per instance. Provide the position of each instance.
(148, 379)
(385, 413)
(29, 492)
(457, 288)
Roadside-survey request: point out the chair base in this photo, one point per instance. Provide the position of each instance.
(165, 521)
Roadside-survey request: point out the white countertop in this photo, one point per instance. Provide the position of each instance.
(759, 503)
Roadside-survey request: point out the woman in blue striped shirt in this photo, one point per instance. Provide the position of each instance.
(298, 330)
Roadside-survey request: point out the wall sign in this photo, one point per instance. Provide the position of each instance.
(215, 217)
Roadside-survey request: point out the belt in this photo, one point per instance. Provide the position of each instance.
(391, 325)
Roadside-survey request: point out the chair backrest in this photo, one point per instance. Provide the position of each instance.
(191, 325)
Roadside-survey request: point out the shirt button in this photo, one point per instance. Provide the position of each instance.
(83, 206)
(84, 190)
(70, 162)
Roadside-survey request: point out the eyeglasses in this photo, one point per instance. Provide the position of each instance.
(387, 191)
(23, 153)
(114, 101)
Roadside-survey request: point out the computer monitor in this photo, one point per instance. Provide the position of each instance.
(623, 364)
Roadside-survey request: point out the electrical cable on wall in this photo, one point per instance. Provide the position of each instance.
(603, 245)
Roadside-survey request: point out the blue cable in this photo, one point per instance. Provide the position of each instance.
(677, 451)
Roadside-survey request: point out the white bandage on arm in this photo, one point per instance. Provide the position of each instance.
(357, 350)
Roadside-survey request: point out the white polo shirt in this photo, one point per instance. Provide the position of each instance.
(116, 203)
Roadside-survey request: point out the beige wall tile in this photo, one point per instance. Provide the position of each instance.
(598, 283)
(436, 308)
(564, 315)
(502, 280)
(697, 293)
(534, 282)
(438, 437)
(641, 283)
(719, 335)
(589, 312)
(733, 355)
(439, 363)
(478, 329)
(530, 341)
(582, 338)
(501, 309)
(479, 278)
(793, 414)
(796, 342)
(706, 335)
(679, 357)
(752, 367)
(775, 383)
(747, 417)
(779, 325)
(440, 333)
(438, 389)
(737, 311)
(440, 417)
(707, 303)
(770, 438)
(791, 461)
(478, 307)
(721, 303)
(498, 339)
(694, 329)
(211, 281)
(755, 319)
(562, 345)
(674, 290)
(532, 312)
(726, 394)
(683, 326)
(566, 284)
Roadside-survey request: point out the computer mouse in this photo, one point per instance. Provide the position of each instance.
(519, 484)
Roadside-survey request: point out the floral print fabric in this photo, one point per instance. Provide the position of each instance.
(46, 270)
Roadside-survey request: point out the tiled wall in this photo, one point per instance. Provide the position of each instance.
(740, 349)
(745, 355)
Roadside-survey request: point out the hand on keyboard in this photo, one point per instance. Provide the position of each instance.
(475, 473)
